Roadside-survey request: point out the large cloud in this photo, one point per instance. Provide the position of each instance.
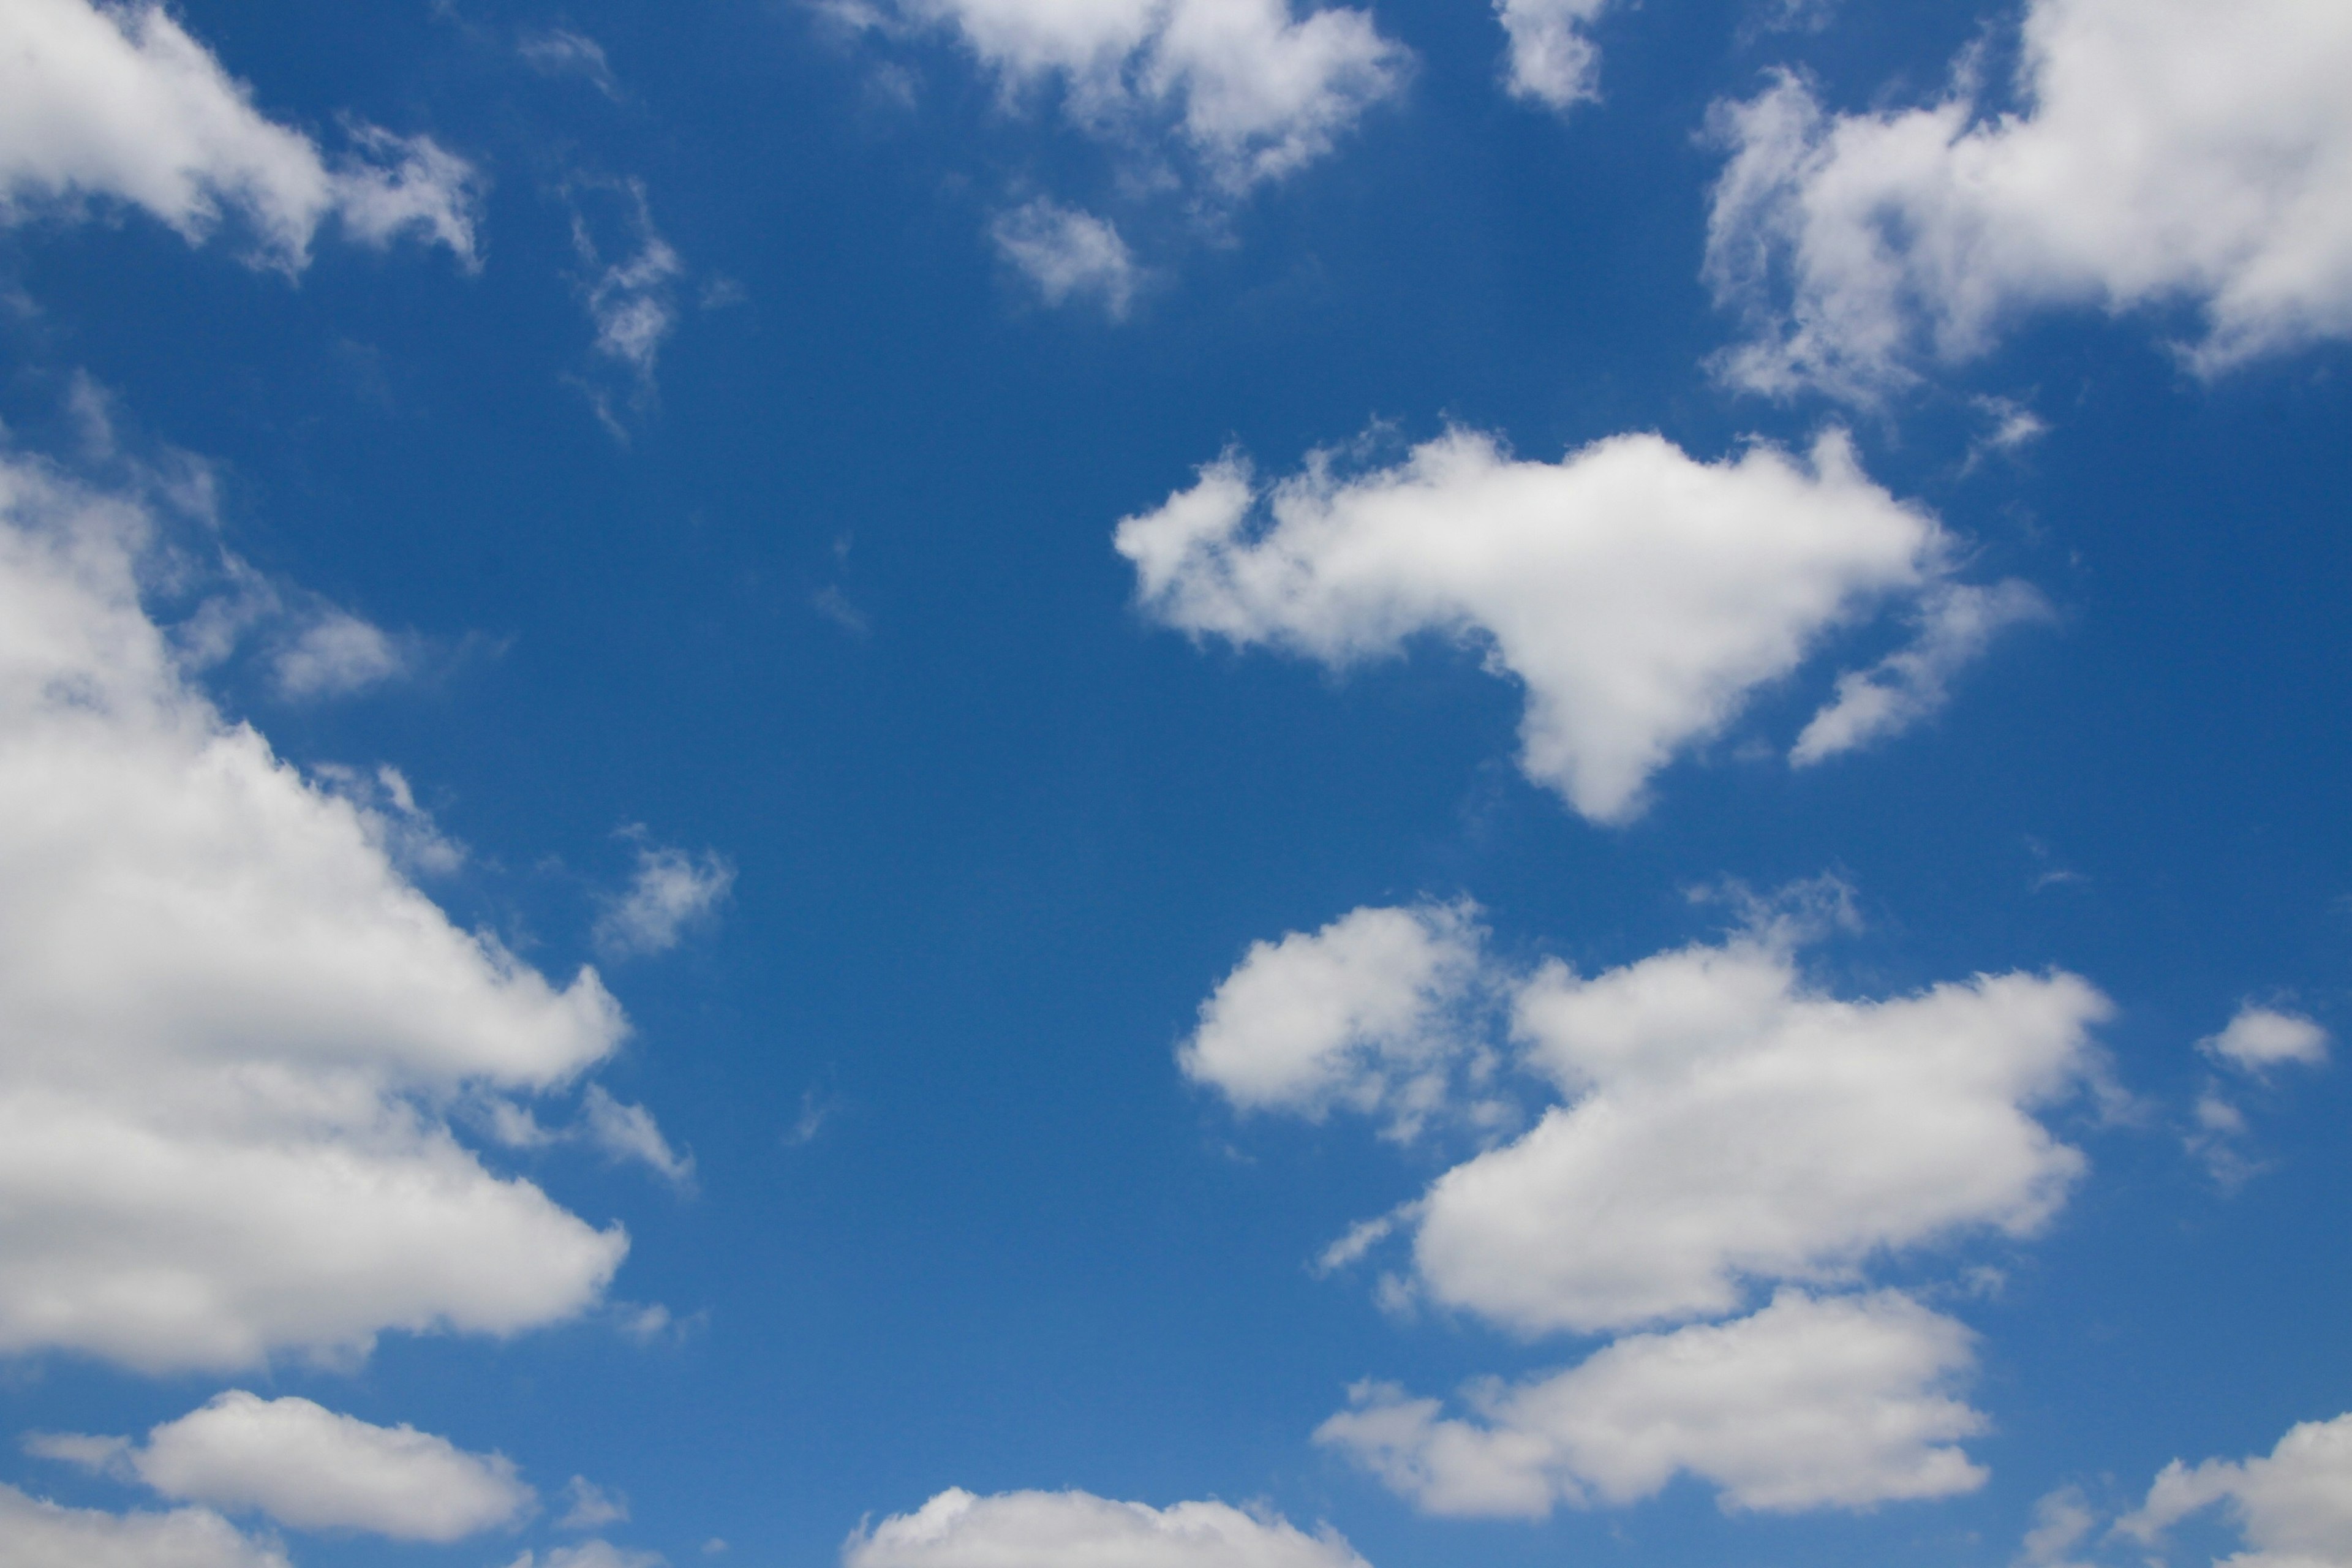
(117, 101)
(305, 1466)
(1725, 1122)
(1809, 1403)
(232, 1025)
(2293, 1507)
(2168, 151)
(1639, 595)
(37, 1534)
(1076, 1530)
(1253, 91)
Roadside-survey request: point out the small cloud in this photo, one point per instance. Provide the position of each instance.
(816, 1110)
(713, 1547)
(671, 892)
(1068, 255)
(590, 1507)
(560, 51)
(2061, 1520)
(2259, 1039)
(834, 605)
(632, 302)
(630, 1133)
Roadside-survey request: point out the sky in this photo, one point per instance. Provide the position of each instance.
(1175, 784)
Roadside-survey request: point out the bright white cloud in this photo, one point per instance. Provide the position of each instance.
(1957, 623)
(1551, 60)
(2293, 1508)
(307, 1467)
(1726, 1123)
(2166, 152)
(1811, 1402)
(1076, 1530)
(234, 1022)
(1068, 255)
(670, 892)
(1639, 595)
(117, 101)
(39, 1534)
(1367, 1013)
(1253, 90)
(2259, 1039)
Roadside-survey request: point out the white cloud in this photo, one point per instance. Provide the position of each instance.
(1809, 1402)
(1725, 1122)
(236, 1025)
(1076, 1530)
(2292, 1507)
(590, 1507)
(1639, 595)
(2061, 1519)
(560, 51)
(336, 653)
(117, 101)
(591, 1554)
(2168, 152)
(670, 892)
(1957, 623)
(1068, 255)
(39, 1534)
(632, 302)
(1551, 60)
(1253, 91)
(1365, 1013)
(630, 1133)
(309, 1467)
(2259, 1039)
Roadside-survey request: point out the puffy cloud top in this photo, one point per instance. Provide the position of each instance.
(2294, 1506)
(1078, 1530)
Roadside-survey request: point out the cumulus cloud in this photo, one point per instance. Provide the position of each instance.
(34, 1533)
(1076, 1530)
(119, 102)
(2164, 151)
(670, 892)
(1068, 255)
(1957, 624)
(1251, 88)
(1365, 1013)
(236, 1025)
(1842, 1402)
(1639, 595)
(1726, 1122)
(2259, 1039)
(1551, 60)
(309, 1467)
(2293, 1508)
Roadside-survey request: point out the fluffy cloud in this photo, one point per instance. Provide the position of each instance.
(1551, 60)
(1725, 1122)
(1809, 1402)
(2259, 1039)
(1076, 1530)
(307, 1467)
(1068, 255)
(117, 101)
(669, 892)
(1639, 595)
(2293, 1508)
(1365, 1013)
(233, 1024)
(37, 1534)
(1251, 90)
(2166, 152)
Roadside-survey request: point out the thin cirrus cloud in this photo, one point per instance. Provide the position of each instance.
(37, 1533)
(121, 103)
(2166, 153)
(237, 1026)
(309, 1467)
(1248, 88)
(1809, 1402)
(1640, 595)
(1079, 1530)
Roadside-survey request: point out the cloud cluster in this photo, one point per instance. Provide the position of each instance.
(1253, 91)
(1809, 1402)
(119, 102)
(1722, 1125)
(39, 1534)
(309, 1467)
(1076, 1530)
(1641, 596)
(2166, 152)
(236, 1027)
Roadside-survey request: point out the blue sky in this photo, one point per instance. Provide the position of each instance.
(956, 783)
